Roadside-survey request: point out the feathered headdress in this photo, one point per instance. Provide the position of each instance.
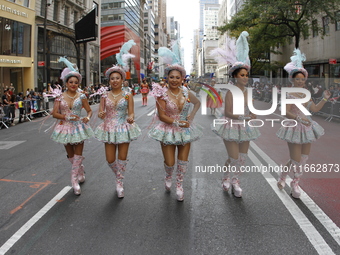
(296, 65)
(122, 60)
(70, 71)
(242, 54)
(226, 56)
(172, 58)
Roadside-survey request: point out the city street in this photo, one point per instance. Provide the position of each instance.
(41, 215)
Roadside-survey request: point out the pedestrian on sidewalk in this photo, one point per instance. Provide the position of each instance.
(237, 136)
(302, 130)
(176, 129)
(119, 128)
(72, 130)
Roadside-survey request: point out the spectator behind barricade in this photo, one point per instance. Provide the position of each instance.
(20, 101)
(27, 105)
(46, 100)
(27, 92)
(319, 93)
(5, 101)
(12, 108)
(11, 89)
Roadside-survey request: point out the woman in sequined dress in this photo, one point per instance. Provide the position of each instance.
(144, 89)
(301, 131)
(176, 129)
(237, 136)
(72, 129)
(118, 128)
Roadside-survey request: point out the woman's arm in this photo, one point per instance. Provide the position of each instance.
(318, 107)
(131, 111)
(88, 109)
(55, 113)
(101, 112)
(197, 104)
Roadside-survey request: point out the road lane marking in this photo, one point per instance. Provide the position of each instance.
(150, 113)
(5, 145)
(306, 226)
(16, 236)
(327, 222)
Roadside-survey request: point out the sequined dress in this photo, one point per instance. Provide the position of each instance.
(71, 132)
(115, 129)
(169, 133)
(301, 133)
(236, 130)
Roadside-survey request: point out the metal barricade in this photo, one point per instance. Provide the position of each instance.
(4, 119)
(334, 110)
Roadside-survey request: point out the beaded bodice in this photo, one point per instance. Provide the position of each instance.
(173, 110)
(116, 111)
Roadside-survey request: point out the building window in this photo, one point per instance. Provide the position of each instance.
(337, 21)
(315, 28)
(16, 38)
(75, 17)
(67, 16)
(56, 11)
(42, 7)
(325, 23)
(27, 3)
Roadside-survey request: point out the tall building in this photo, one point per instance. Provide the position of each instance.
(201, 18)
(147, 68)
(56, 37)
(161, 37)
(121, 21)
(208, 64)
(210, 17)
(17, 31)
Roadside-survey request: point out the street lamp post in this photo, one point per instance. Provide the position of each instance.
(45, 45)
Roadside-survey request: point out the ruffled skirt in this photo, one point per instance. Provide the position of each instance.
(300, 134)
(66, 132)
(116, 134)
(169, 134)
(236, 132)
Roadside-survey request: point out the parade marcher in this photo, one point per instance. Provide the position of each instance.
(237, 136)
(176, 128)
(118, 129)
(72, 129)
(299, 136)
(144, 89)
(211, 103)
(126, 87)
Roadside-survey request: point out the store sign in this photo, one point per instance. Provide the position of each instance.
(332, 61)
(41, 63)
(13, 11)
(10, 61)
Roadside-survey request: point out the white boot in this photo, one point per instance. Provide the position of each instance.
(168, 176)
(181, 169)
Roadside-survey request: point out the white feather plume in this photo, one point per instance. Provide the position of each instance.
(242, 47)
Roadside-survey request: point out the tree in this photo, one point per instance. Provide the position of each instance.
(276, 21)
